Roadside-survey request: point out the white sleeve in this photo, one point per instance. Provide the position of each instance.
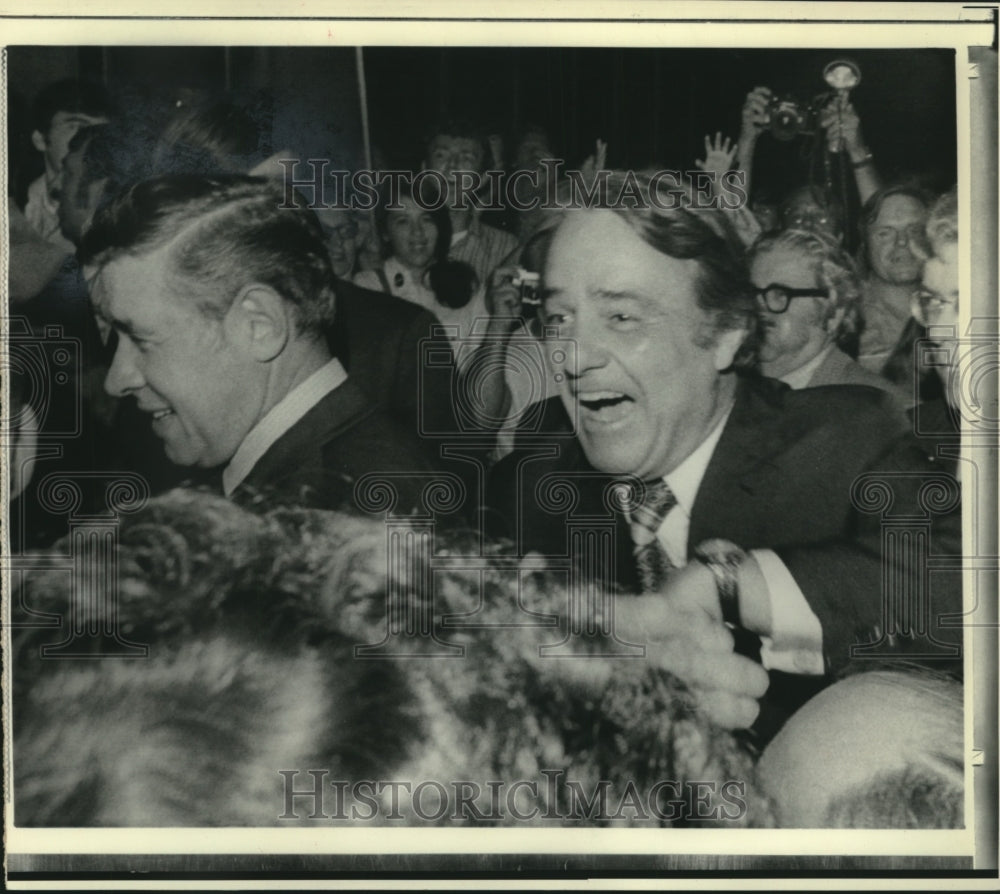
(796, 641)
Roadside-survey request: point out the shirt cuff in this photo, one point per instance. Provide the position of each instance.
(796, 641)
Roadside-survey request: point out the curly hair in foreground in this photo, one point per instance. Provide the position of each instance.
(264, 655)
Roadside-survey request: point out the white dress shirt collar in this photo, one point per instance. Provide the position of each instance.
(685, 480)
(800, 378)
(279, 419)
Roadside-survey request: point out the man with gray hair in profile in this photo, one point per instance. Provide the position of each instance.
(218, 298)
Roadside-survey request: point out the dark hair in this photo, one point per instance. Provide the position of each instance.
(70, 95)
(206, 139)
(453, 282)
(680, 228)
(835, 212)
(461, 128)
(253, 621)
(103, 158)
(224, 232)
(430, 198)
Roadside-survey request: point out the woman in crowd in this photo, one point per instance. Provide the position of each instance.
(416, 235)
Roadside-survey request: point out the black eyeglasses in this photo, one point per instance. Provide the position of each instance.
(775, 297)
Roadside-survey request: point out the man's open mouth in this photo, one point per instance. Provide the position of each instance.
(605, 406)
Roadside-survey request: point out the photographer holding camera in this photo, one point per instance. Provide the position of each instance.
(786, 118)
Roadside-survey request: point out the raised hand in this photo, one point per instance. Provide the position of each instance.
(596, 162)
(755, 116)
(718, 155)
(842, 125)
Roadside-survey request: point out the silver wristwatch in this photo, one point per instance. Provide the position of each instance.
(723, 558)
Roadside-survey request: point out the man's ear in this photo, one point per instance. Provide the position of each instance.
(261, 320)
(38, 141)
(727, 343)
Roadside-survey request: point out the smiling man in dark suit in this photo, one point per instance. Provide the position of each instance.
(219, 297)
(765, 486)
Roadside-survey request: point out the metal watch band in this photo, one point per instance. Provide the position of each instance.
(723, 559)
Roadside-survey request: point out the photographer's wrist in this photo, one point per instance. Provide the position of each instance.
(858, 152)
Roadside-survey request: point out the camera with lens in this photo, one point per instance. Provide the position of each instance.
(528, 284)
(789, 117)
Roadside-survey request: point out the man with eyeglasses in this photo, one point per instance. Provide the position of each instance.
(669, 474)
(934, 305)
(892, 252)
(807, 294)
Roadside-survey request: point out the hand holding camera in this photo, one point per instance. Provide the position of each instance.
(756, 114)
(504, 297)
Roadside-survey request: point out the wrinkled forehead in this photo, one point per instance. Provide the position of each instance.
(900, 210)
(782, 263)
(597, 253)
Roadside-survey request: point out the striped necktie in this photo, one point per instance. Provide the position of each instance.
(651, 559)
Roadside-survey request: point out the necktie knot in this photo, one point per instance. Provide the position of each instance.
(651, 508)
(647, 510)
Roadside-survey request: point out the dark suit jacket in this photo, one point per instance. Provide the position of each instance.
(839, 368)
(800, 472)
(382, 341)
(321, 458)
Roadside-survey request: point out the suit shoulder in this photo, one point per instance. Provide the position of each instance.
(375, 443)
(359, 301)
(856, 414)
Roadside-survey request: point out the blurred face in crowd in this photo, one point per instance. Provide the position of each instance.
(897, 228)
(77, 203)
(935, 305)
(794, 337)
(55, 144)
(530, 152)
(448, 154)
(645, 387)
(766, 214)
(340, 231)
(937, 298)
(802, 211)
(194, 375)
(411, 234)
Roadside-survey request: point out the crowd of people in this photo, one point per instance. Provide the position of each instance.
(635, 468)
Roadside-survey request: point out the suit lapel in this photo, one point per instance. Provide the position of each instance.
(832, 370)
(746, 467)
(335, 413)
